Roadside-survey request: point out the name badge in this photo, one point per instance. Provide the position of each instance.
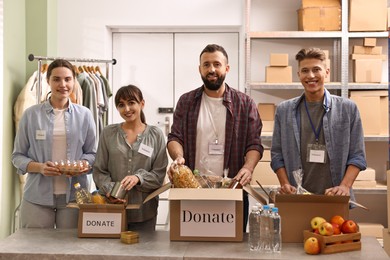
(316, 153)
(216, 148)
(145, 150)
(40, 135)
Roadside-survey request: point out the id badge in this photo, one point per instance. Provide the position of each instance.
(40, 135)
(145, 150)
(316, 153)
(216, 148)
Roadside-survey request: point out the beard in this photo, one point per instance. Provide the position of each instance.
(213, 85)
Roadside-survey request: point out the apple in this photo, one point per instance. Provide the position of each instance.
(316, 222)
(349, 226)
(336, 229)
(312, 246)
(326, 229)
(316, 231)
(337, 219)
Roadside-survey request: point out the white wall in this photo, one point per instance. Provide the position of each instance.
(84, 26)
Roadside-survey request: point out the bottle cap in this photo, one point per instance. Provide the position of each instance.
(274, 209)
(77, 185)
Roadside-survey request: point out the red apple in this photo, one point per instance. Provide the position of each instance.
(326, 229)
(312, 246)
(337, 219)
(316, 231)
(316, 222)
(336, 229)
(349, 226)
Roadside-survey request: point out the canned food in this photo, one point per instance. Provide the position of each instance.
(118, 191)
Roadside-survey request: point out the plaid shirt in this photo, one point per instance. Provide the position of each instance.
(242, 133)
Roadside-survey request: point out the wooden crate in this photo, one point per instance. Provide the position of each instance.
(336, 243)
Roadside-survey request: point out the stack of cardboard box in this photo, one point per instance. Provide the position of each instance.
(263, 172)
(267, 115)
(368, 61)
(279, 71)
(319, 15)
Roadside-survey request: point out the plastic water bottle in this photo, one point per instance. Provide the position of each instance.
(82, 195)
(254, 229)
(265, 241)
(276, 231)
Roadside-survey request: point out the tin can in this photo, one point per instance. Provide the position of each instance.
(118, 191)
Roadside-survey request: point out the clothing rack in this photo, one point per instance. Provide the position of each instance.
(31, 57)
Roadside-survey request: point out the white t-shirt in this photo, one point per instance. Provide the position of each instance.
(210, 128)
(60, 183)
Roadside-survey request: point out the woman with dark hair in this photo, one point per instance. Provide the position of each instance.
(52, 131)
(134, 154)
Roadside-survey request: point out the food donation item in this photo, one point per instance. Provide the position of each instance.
(74, 167)
(184, 178)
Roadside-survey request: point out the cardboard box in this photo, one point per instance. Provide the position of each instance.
(367, 15)
(315, 3)
(266, 155)
(371, 229)
(279, 59)
(366, 175)
(363, 184)
(206, 214)
(367, 50)
(278, 74)
(369, 42)
(367, 71)
(102, 220)
(368, 57)
(266, 111)
(296, 212)
(319, 19)
(374, 111)
(264, 174)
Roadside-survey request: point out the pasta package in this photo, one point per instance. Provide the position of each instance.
(184, 178)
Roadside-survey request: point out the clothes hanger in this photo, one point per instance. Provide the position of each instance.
(44, 68)
(97, 69)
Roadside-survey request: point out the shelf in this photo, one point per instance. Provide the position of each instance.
(331, 85)
(370, 86)
(294, 34)
(267, 136)
(368, 34)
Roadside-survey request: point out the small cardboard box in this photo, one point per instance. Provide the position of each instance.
(367, 70)
(319, 19)
(363, 184)
(266, 111)
(368, 57)
(278, 74)
(315, 3)
(268, 126)
(369, 42)
(366, 175)
(374, 111)
(279, 59)
(367, 15)
(296, 212)
(102, 220)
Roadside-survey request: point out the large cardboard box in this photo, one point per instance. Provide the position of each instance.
(266, 111)
(206, 214)
(319, 19)
(296, 212)
(367, 70)
(279, 59)
(315, 3)
(278, 74)
(102, 220)
(366, 175)
(367, 15)
(264, 174)
(374, 111)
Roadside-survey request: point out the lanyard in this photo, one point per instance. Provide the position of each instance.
(318, 131)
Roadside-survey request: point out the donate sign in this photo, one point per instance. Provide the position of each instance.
(208, 218)
(101, 223)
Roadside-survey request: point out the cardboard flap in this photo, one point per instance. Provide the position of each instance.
(157, 192)
(300, 198)
(102, 206)
(257, 196)
(205, 194)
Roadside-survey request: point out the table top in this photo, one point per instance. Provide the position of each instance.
(64, 244)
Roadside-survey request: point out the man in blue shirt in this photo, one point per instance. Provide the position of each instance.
(319, 133)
